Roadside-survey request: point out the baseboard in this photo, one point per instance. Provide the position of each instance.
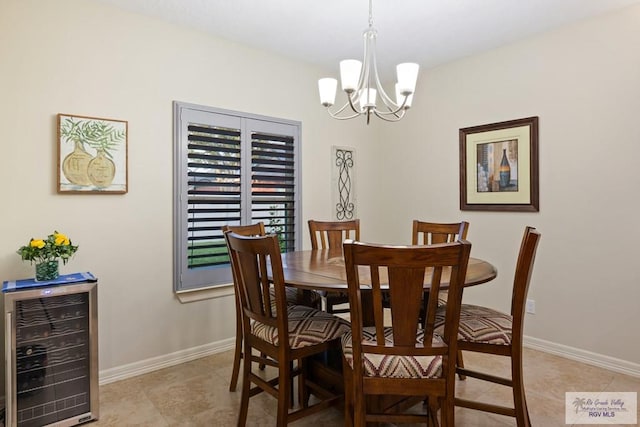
(155, 363)
(584, 356)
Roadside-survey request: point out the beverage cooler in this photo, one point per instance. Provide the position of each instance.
(51, 344)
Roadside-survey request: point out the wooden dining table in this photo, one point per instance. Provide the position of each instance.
(324, 270)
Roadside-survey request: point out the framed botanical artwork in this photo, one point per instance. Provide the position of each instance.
(92, 155)
(499, 166)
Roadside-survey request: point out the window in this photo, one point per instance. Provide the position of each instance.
(230, 168)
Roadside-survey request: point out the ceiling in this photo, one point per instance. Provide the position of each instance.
(429, 32)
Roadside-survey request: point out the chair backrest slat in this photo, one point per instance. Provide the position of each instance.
(331, 234)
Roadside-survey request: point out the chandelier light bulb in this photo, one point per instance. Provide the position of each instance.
(400, 98)
(327, 88)
(349, 74)
(367, 98)
(407, 77)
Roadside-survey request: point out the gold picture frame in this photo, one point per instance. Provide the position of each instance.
(499, 166)
(92, 155)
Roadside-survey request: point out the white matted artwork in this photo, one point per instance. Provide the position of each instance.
(92, 155)
(343, 193)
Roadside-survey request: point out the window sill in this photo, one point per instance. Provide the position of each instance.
(205, 293)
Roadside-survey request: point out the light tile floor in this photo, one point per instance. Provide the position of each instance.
(196, 394)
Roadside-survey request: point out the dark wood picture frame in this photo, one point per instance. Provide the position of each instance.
(499, 166)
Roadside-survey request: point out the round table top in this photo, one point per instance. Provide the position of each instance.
(325, 270)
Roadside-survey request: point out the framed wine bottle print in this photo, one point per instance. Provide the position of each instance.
(499, 166)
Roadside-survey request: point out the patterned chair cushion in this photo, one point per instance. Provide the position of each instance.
(393, 366)
(479, 324)
(307, 326)
(296, 296)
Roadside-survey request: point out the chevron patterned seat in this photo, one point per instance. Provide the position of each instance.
(480, 324)
(393, 365)
(307, 326)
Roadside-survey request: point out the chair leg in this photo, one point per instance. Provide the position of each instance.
(303, 391)
(519, 398)
(291, 387)
(432, 404)
(359, 407)
(460, 364)
(238, 353)
(447, 410)
(328, 305)
(246, 389)
(261, 366)
(348, 393)
(284, 392)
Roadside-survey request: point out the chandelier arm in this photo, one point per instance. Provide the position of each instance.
(336, 115)
(346, 104)
(393, 112)
(384, 117)
(343, 118)
(352, 105)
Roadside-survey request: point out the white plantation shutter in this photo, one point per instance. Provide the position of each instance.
(273, 186)
(230, 169)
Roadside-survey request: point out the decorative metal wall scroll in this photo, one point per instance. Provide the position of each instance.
(343, 184)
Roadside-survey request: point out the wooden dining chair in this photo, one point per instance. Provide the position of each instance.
(293, 295)
(399, 361)
(428, 233)
(286, 334)
(489, 331)
(331, 235)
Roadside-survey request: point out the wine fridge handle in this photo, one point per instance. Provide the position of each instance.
(9, 371)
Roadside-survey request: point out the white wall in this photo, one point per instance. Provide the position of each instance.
(583, 81)
(86, 58)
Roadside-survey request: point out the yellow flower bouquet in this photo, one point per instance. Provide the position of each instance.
(45, 253)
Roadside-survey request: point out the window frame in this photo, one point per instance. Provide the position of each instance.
(187, 279)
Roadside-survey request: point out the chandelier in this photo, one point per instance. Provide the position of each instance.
(361, 83)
